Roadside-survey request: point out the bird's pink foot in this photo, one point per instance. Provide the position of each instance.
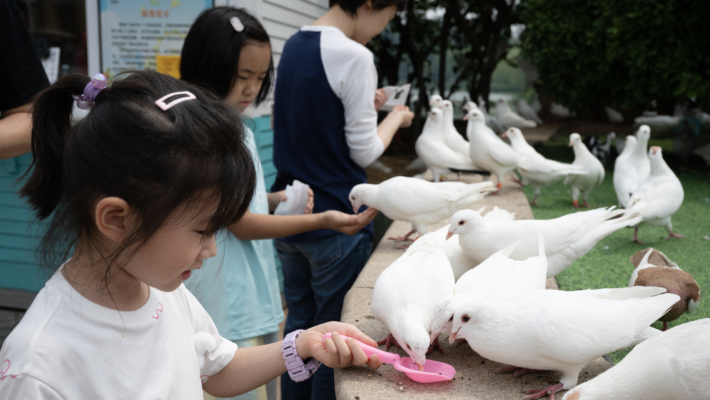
(665, 326)
(435, 345)
(388, 341)
(533, 203)
(459, 342)
(586, 204)
(674, 235)
(404, 238)
(518, 181)
(537, 394)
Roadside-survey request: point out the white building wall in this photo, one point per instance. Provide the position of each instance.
(281, 19)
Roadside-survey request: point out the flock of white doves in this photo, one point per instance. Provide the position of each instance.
(487, 286)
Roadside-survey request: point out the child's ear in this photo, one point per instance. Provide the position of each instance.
(112, 217)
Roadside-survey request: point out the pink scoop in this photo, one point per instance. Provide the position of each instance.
(434, 371)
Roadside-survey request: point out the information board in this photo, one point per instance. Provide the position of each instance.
(145, 34)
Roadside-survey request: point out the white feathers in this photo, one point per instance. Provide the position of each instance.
(431, 147)
(634, 166)
(660, 195)
(566, 238)
(406, 293)
(673, 365)
(516, 331)
(594, 177)
(417, 201)
(526, 111)
(509, 118)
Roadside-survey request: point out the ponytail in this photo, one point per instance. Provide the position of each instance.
(51, 123)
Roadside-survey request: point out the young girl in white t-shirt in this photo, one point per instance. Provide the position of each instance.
(133, 195)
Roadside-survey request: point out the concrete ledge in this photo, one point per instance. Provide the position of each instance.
(476, 377)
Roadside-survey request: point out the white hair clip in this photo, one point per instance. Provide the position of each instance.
(236, 24)
(161, 101)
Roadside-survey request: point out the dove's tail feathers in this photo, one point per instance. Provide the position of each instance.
(633, 292)
(482, 187)
(481, 210)
(630, 217)
(645, 334)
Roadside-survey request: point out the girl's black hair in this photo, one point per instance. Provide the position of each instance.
(157, 161)
(210, 54)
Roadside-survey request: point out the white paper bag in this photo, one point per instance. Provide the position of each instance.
(296, 199)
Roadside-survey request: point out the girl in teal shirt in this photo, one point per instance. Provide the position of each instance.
(228, 52)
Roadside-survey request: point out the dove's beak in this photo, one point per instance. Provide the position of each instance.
(355, 208)
(504, 135)
(571, 143)
(449, 234)
(453, 337)
(465, 117)
(420, 367)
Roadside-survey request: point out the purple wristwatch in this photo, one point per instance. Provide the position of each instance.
(297, 369)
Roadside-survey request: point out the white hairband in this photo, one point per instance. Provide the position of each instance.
(161, 101)
(236, 24)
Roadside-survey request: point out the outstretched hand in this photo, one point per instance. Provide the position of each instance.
(347, 223)
(336, 352)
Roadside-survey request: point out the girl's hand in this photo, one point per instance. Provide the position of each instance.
(280, 196)
(404, 114)
(380, 99)
(335, 352)
(310, 203)
(347, 223)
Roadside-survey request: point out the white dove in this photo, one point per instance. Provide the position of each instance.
(625, 173)
(435, 100)
(493, 155)
(452, 137)
(509, 118)
(674, 365)
(432, 148)
(659, 122)
(614, 116)
(417, 201)
(567, 238)
(540, 171)
(491, 121)
(595, 171)
(460, 261)
(659, 196)
(405, 294)
(472, 106)
(527, 112)
(499, 276)
(557, 330)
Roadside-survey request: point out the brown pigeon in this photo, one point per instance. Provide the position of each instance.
(653, 268)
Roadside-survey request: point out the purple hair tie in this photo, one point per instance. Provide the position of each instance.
(92, 89)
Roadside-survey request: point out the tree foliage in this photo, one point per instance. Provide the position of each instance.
(624, 54)
(475, 33)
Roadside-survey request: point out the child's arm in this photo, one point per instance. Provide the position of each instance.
(399, 117)
(252, 367)
(260, 226)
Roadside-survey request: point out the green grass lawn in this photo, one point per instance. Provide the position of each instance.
(607, 264)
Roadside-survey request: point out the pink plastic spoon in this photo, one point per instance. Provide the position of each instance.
(434, 371)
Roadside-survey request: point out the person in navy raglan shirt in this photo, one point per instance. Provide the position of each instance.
(325, 134)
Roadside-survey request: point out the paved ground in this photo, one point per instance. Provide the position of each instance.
(475, 378)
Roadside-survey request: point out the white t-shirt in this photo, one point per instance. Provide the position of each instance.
(350, 69)
(67, 347)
